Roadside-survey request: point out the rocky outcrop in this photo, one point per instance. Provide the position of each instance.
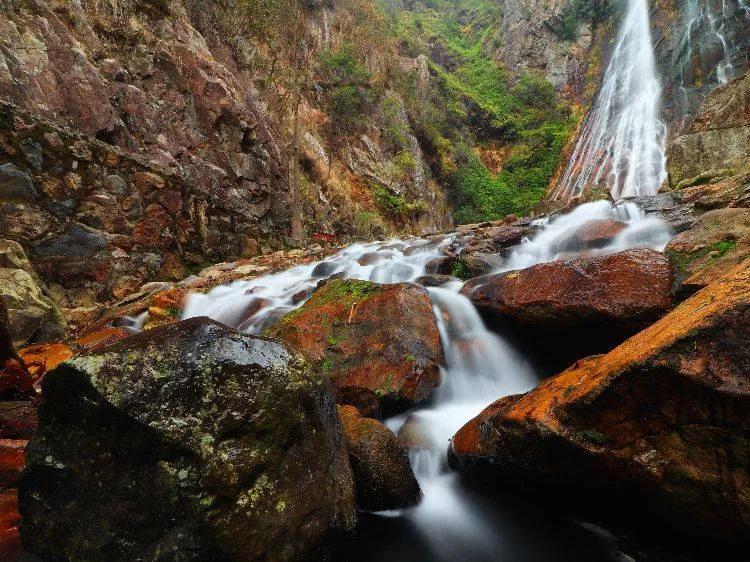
(718, 141)
(381, 467)
(32, 316)
(190, 442)
(573, 308)
(381, 338)
(659, 425)
(717, 242)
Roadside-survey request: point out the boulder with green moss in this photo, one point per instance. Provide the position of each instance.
(362, 335)
(717, 242)
(187, 442)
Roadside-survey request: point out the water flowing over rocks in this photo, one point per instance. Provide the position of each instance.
(659, 424)
(190, 442)
(382, 472)
(571, 308)
(382, 338)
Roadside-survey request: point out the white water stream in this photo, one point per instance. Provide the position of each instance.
(621, 144)
(480, 366)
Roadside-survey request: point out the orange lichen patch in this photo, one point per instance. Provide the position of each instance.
(101, 338)
(39, 359)
(172, 298)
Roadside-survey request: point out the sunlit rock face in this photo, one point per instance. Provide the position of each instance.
(660, 421)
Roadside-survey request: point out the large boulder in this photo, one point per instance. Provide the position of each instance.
(32, 315)
(718, 241)
(574, 308)
(187, 442)
(658, 425)
(382, 338)
(380, 464)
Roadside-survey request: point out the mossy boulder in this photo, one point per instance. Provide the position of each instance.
(362, 335)
(718, 241)
(382, 472)
(188, 442)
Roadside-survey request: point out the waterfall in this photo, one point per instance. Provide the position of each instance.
(621, 143)
(450, 523)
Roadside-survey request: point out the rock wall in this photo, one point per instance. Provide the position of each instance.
(97, 221)
(529, 39)
(139, 77)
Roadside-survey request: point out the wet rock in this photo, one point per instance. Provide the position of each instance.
(11, 547)
(413, 435)
(574, 308)
(324, 269)
(75, 242)
(363, 399)
(11, 461)
(433, 280)
(592, 234)
(660, 421)
(443, 265)
(382, 472)
(473, 264)
(372, 258)
(379, 337)
(190, 442)
(718, 241)
(18, 419)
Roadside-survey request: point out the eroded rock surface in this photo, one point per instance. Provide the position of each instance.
(190, 442)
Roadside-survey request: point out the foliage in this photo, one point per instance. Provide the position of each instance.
(580, 11)
(525, 115)
(347, 81)
(395, 206)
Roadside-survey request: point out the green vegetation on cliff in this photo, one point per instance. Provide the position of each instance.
(477, 106)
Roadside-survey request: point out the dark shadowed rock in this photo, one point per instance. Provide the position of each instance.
(434, 280)
(187, 442)
(381, 467)
(657, 427)
(382, 338)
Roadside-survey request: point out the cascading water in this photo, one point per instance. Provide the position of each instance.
(450, 523)
(712, 35)
(621, 143)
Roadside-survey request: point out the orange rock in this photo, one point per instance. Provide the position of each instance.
(661, 420)
(11, 461)
(101, 338)
(171, 298)
(382, 338)
(11, 547)
(39, 359)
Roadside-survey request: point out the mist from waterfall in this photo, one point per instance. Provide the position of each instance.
(621, 144)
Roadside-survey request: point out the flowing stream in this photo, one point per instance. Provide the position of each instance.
(621, 143)
(450, 523)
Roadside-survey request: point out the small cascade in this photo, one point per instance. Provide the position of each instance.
(621, 144)
(451, 522)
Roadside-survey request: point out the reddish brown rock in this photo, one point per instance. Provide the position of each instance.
(382, 338)
(11, 547)
(658, 425)
(40, 359)
(11, 461)
(100, 338)
(582, 306)
(18, 419)
(382, 472)
(592, 234)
